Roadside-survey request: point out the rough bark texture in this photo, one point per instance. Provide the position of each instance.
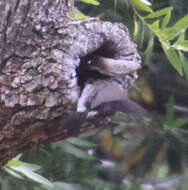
(41, 51)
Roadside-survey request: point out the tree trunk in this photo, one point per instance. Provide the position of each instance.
(42, 53)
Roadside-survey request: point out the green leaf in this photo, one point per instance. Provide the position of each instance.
(173, 58)
(172, 32)
(146, 2)
(17, 157)
(142, 36)
(185, 67)
(181, 45)
(79, 15)
(76, 151)
(155, 25)
(31, 175)
(32, 167)
(81, 143)
(93, 2)
(13, 173)
(15, 163)
(185, 64)
(177, 29)
(100, 183)
(182, 37)
(140, 5)
(180, 122)
(182, 23)
(166, 19)
(149, 49)
(159, 13)
(67, 186)
(89, 134)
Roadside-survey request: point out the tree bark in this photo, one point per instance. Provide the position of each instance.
(42, 50)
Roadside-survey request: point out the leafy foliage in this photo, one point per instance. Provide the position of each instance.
(80, 15)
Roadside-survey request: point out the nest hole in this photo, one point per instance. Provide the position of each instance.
(83, 72)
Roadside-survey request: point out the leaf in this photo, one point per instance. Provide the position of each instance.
(166, 19)
(181, 45)
(140, 5)
(184, 63)
(146, 2)
(81, 143)
(155, 25)
(89, 134)
(76, 151)
(31, 175)
(173, 32)
(149, 49)
(15, 163)
(185, 67)
(13, 173)
(136, 27)
(161, 172)
(93, 2)
(182, 37)
(182, 23)
(98, 183)
(32, 167)
(177, 29)
(79, 15)
(142, 36)
(66, 186)
(180, 122)
(173, 58)
(159, 13)
(17, 157)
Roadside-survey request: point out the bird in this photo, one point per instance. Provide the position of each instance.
(96, 92)
(107, 94)
(113, 67)
(112, 92)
